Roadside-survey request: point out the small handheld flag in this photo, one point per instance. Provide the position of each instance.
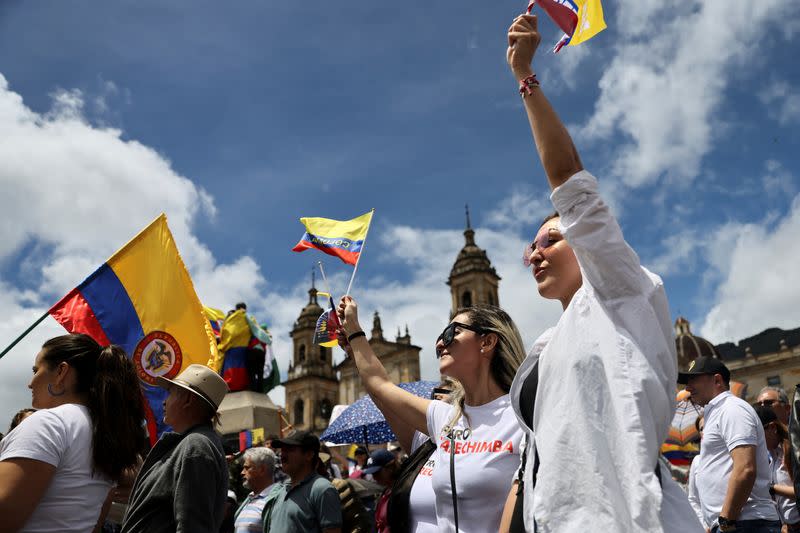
(580, 20)
(325, 331)
(339, 238)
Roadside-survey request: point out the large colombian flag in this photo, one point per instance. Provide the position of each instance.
(143, 300)
(339, 238)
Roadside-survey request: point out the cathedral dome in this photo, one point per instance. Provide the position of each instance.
(690, 346)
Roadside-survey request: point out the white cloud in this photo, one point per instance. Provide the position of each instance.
(679, 255)
(659, 95)
(522, 209)
(759, 289)
(777, 181)
(73, 193)
(782, 101)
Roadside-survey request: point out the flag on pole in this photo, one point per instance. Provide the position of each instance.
(143, 299)
(339, 238)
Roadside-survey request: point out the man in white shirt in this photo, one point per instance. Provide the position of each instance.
(733, 472)
(257, 472)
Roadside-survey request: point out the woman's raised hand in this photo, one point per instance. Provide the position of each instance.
(523, 39)
(348, 314)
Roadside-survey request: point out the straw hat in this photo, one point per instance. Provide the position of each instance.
(200, 380)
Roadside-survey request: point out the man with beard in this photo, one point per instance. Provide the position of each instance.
(257, 471)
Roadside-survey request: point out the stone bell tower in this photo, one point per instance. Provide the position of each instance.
(311, 385)
(473, 280)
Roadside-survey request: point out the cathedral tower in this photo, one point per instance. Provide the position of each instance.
(473, 280)
(311, 385)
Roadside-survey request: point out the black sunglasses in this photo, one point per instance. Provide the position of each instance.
(449, 334)
(440, 391)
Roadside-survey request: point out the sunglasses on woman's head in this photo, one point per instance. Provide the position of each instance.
(449, 334)
(544, 240)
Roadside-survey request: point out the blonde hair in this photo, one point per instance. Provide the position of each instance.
(509, 352)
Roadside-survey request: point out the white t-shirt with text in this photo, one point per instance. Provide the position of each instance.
(487, 449)
(62, 437)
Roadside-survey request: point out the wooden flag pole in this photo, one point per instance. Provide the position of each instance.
(24, 333)
(355, 269)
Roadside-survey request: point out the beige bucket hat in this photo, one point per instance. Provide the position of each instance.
(200, 380)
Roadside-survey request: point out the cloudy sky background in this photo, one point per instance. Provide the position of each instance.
(236, 120)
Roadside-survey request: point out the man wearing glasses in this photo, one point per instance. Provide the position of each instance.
(776, 398)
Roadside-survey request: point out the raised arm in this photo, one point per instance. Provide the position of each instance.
(403, 432)
(409, 409)
(556, 150)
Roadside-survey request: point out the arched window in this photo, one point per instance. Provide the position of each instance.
(325, 408)
(490, 299)
(298, 411)
(301, 354)
(466, 299)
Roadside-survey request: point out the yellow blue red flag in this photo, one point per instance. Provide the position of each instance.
(231, 358)
(339, 238)
(580, 20)
(143, 299)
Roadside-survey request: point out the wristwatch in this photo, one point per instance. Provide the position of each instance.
(726, 524)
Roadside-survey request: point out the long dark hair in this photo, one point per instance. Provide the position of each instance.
(108, 379)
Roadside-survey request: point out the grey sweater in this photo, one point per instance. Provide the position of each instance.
(182, 485)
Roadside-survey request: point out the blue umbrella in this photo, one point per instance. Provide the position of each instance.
(363, 422)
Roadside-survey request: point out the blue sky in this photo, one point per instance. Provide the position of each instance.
(238, 119)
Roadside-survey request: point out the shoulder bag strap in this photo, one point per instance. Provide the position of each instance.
(453, 477)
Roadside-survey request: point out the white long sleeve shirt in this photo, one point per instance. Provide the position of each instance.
(605, 398)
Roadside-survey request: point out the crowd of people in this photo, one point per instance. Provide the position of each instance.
(562, 438)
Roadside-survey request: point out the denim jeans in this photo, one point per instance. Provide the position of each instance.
(755, 526)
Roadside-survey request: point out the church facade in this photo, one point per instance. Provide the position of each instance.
(314, 385)
(770, 358)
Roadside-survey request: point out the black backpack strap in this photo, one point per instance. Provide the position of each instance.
(453, 477)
